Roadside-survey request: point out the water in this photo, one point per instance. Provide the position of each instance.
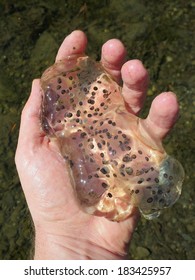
(161, 35)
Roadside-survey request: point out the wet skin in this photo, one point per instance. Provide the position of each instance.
(62, 229)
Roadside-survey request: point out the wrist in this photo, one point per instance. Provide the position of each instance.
(49, 246)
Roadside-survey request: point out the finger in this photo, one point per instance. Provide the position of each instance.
(74, 43)
(135, 82)
(112, 58)
(162, 115)
(30, 128)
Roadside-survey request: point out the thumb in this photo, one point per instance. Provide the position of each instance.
(30, 128)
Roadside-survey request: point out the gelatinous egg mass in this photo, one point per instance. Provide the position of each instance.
(114, 166)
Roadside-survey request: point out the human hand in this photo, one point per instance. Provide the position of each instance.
(62, 230)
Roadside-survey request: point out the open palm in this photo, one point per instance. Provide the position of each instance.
(62, 230)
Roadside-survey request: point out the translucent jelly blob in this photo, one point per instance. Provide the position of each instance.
(114, 164)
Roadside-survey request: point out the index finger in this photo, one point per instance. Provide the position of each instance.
(74, 44)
